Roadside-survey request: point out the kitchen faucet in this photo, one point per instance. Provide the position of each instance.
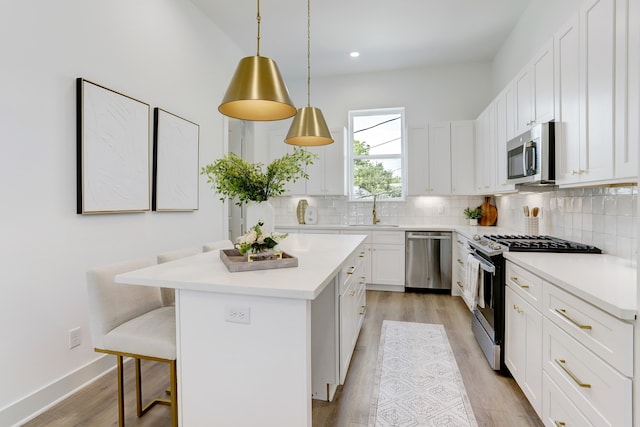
(375, 214)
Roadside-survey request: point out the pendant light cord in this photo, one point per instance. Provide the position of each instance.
(258, 19)
(308, 53)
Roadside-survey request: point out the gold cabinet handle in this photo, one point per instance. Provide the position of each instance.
(562, 364)
(363, 309)
(460, 285)
(515, 279)
(460, 242)
(559, 423)
(460, 261)
(562, 312)
(516, 308)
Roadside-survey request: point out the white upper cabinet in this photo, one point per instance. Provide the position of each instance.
(485, 151)
(327, 173)
(567, 45)
(505, 125)
(534, 88)
(598, 53)
(627, 95)
(429, 160)
(462, 157)
(592, 141)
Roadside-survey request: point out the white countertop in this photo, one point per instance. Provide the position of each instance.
(605, 281)
(467, 230)
(320, 257)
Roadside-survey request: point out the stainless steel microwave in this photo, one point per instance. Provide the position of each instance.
(531, 156)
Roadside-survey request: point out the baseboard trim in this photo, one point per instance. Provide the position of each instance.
(39, 401)
(392, 288)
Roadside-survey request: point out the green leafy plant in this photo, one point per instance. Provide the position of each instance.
(475, 213)
(232, 176)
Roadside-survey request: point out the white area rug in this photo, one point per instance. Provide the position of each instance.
(417, 379)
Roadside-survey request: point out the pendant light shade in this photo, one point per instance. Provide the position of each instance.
(257, 91)
(308, 127)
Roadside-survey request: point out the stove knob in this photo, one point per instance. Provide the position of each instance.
(476, 237)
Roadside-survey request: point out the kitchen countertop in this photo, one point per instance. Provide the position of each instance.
(320, 257)
(605, 281)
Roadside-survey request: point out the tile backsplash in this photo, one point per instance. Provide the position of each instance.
(605, 217)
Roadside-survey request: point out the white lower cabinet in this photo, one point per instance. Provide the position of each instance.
(460, 252)
(573, 361)
(352, 305)
(523, 346)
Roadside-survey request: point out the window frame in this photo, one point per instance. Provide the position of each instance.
(402, 156)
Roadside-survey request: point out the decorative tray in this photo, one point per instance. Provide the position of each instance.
(234, 261)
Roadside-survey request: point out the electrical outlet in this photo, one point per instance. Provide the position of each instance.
(237, 314)
(74, 337)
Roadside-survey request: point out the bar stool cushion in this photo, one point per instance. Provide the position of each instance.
(151, 334)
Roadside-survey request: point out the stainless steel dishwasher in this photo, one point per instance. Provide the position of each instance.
(428, 261)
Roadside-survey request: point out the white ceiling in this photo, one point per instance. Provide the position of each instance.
(389, 34)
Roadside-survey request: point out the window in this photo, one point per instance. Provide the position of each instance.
(376, 154)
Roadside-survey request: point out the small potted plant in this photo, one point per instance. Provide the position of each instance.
(473, 215)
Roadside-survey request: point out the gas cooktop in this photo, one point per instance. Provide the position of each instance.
(527, 243)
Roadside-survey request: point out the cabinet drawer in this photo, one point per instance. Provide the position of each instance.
(388, 237)
(458, 278)
(525, 284)
(557, 409)
(599, 392)
(607, 336)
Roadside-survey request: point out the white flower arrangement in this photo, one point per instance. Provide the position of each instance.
(255, 240)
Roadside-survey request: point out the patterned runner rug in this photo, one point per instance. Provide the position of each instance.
(417, 379)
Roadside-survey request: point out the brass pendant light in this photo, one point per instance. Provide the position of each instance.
(309, 127)
(257, 91)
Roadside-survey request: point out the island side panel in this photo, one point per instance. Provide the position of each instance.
(243, 374)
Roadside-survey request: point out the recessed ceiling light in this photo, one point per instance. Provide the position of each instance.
(354, 54)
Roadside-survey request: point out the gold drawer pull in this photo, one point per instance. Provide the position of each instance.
(515, 279)
(460, 261)
(516, 308)
(560, 423)
(460, 285)
(562, 312)
(363, 309)
(561, 363)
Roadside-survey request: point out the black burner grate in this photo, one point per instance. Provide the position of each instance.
(528, 243)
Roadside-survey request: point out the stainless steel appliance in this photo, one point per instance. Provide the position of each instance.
(487, 322)
(428, 261)
(531, 156)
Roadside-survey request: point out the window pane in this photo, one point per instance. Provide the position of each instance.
(378, 134)
(380, 176)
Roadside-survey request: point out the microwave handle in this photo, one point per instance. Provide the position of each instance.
(528, 162)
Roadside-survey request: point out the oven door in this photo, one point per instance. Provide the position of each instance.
(485, 306)
(488, 315)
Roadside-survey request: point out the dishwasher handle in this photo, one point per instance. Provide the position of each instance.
(423, 237)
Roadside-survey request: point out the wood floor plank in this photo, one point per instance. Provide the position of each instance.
(496, 399)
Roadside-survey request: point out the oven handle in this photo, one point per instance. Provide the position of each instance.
(489, 268)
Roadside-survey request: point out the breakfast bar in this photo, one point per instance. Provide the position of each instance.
(244, 340)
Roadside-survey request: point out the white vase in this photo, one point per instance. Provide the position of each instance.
(473, 221)
(260, 211)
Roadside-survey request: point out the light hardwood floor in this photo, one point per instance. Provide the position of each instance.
(496, 399)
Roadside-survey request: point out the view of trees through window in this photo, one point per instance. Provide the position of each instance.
(376, 153)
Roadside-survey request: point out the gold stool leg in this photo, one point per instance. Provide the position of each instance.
(139, 409)
(173, 375)
(120, 392)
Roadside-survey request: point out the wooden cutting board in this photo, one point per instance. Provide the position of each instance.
(489, 213)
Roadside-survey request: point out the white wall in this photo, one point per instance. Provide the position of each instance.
(163, 52)
(536, 26)
(454, 92)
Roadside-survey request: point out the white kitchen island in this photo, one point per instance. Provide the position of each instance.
(257, 373)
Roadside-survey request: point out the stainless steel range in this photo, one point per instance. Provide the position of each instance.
(488, 318)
